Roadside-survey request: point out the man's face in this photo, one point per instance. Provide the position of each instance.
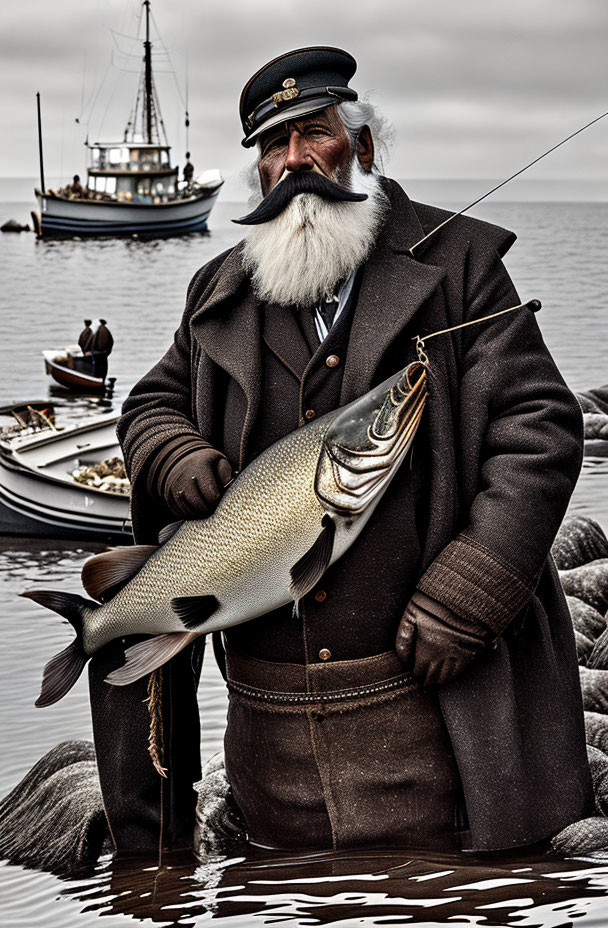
(318, 142)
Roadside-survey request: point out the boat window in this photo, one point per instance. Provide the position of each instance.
(124, 155)
(110, 185)
(164, 157)
(100, 184)
(115, 156)
(125, 184)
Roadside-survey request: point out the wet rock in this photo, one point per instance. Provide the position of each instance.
(586, 836)
(596, 448)
(588, 582)
(218, 819)
(594, 687)
(596, 425)
(598, 659)
(596, 730)
(13, 226)
(585, 619)
(54, 818)
(595, 400)
(579, 541)
(584, 647)
(598, 765)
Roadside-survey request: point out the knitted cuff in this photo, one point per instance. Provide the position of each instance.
(476, 585)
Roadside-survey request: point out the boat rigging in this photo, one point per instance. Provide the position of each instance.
(132, 186)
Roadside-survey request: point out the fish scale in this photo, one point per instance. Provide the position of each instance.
(242, 553)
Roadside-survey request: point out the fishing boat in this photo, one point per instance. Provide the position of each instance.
(69, 368)
(132, 187)
(64, 482)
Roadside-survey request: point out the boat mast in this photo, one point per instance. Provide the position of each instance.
(148, 77)
(42, 184)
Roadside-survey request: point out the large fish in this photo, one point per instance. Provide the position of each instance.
(289, 515)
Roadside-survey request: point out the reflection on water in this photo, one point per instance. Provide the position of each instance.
(339, 889)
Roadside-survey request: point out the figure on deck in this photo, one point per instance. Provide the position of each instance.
(188, 170)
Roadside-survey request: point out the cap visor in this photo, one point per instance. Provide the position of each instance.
(287, 114)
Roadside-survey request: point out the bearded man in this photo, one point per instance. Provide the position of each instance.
(426, 693)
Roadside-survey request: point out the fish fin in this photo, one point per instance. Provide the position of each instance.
(145, 656)
(105, 574)
(194, 610)
(307, 572)
(61, 673)
(169, 531)
(70, 605)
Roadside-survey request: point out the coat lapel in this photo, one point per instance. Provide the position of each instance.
(283, 335)
(393, 288)
(227, 326)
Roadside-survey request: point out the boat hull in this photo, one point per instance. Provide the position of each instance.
(37, 496)
(61, 217)
(75, 381)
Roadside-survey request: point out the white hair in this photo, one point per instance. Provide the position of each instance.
(313, 245)
(354, 116)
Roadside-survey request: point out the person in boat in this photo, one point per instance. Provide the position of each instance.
(452, 579)
(188, 170)
(85, 338)
(75, 189)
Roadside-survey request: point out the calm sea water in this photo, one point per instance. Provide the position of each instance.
(47, 289)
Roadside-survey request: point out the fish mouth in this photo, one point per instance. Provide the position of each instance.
(368, 440)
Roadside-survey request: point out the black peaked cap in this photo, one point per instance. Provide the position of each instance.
(293, 85)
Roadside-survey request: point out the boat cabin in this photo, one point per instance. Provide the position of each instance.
(133, 171)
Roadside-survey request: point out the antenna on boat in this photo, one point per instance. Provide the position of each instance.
(148, 76)
(187, 119)
(42, 184)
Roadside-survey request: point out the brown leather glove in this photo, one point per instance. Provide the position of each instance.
(435, 643)
(190, 477)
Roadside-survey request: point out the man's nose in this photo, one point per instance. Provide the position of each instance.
(299, 157)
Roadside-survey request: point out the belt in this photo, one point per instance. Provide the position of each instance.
(304, 684)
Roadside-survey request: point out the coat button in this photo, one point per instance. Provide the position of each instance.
(320, 596)
(309, 414)
(333, 360)
(325, 654)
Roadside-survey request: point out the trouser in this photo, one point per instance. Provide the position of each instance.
(138, 802)
(339, 755)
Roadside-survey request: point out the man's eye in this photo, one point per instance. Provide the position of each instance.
(274, 143)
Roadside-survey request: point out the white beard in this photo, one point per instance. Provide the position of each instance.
(314, 244)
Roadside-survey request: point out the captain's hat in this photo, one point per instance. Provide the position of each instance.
(293, 85)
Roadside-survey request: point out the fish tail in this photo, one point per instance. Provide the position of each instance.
(62, 671)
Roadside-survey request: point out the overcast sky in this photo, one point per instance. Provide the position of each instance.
(475, 88)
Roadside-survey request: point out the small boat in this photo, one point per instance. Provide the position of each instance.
(65, 482)
(132, 187)
(70, 368)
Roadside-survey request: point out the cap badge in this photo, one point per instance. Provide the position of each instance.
(290, 92)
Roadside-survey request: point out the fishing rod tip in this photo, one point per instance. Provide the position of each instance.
(534, 305)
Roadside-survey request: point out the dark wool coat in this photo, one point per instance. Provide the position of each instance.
(500, 446)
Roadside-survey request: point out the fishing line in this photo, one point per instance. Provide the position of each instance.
(533, 305)
(502, 183)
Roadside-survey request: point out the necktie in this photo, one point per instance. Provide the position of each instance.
(327, 311)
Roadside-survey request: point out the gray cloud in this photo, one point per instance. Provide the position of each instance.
(474, 88)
